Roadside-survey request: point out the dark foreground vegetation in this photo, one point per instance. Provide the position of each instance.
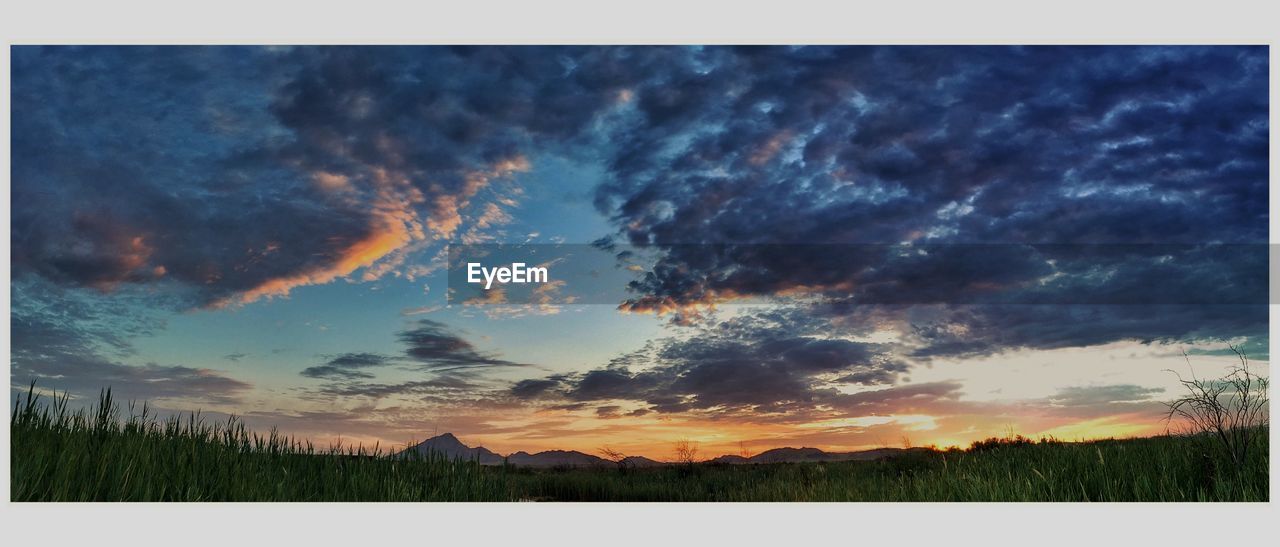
(99, 455)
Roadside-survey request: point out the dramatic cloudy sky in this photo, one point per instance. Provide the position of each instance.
(842, 247)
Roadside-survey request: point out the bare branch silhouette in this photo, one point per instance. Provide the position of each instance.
(686, 451)
(1233, 409)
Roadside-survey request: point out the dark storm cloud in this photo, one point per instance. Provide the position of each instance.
(244, 172)
(782, 170)
(528, 389)
(965, 331)
(904, 399)
(445, 366)
(435, 347)
(882, 143)
(439, 112)
(213, 176)
(119, 176)
(608, 411)
(347, 366)
(239, 173)
(754, 363)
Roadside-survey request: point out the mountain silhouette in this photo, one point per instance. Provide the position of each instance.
(447, 445)
(640, 461)
(557, 458)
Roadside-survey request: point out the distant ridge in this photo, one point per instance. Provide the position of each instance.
(449, 446)
(557, 458)
(640, 461)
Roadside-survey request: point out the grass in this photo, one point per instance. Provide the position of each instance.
(96, 454)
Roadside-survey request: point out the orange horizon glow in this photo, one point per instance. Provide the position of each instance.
(655, 439)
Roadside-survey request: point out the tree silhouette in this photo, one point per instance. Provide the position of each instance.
(1231, 409)
(686, 451)
(618, 458)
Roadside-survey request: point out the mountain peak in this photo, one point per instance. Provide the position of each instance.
(449, 446)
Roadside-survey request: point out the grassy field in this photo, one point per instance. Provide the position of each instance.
(98, 454)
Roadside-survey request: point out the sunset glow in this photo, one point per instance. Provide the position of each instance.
(844, 248)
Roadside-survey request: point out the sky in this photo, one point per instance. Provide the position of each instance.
(838, 247)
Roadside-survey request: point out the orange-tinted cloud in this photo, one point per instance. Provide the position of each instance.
(395, 225)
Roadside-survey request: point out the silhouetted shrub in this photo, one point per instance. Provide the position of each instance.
(992, 443)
